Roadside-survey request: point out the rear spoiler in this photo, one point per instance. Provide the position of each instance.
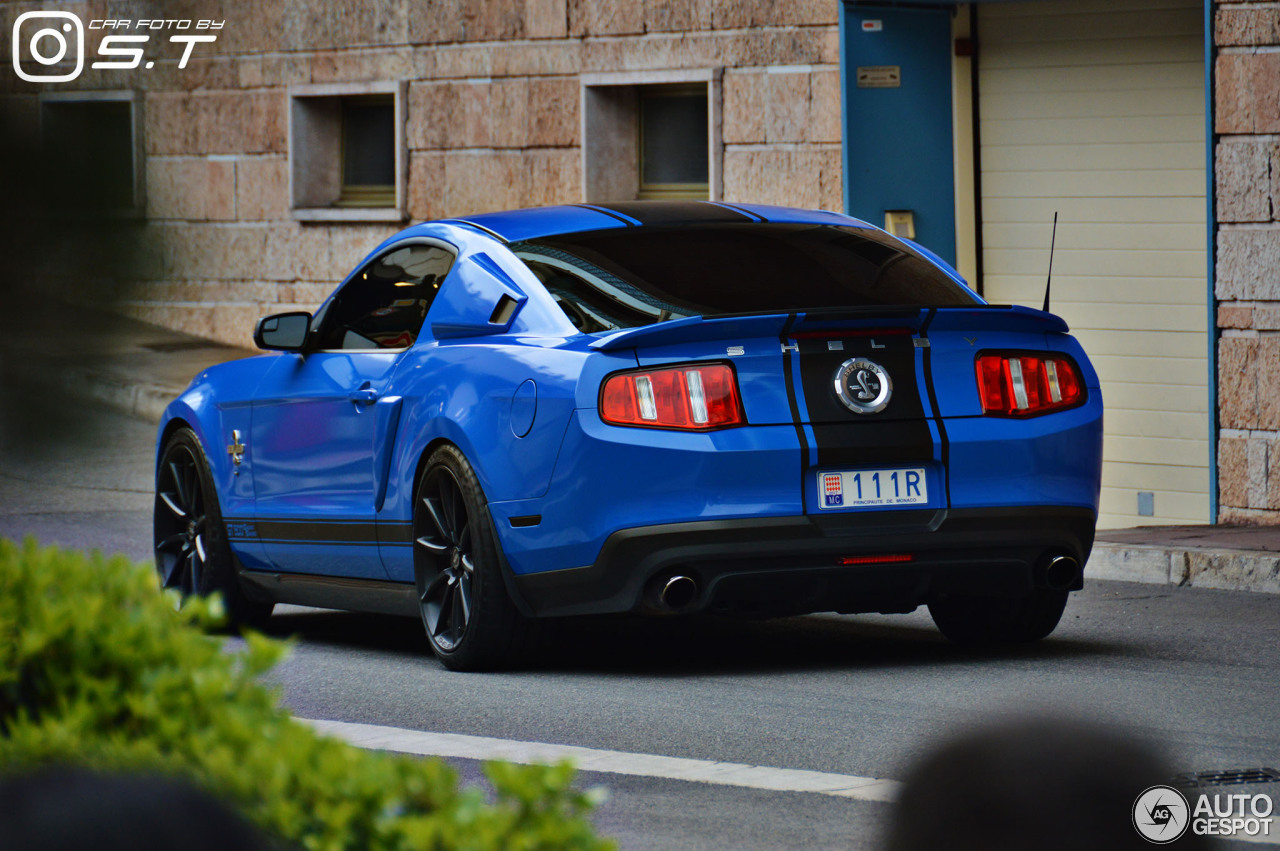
(691, 329)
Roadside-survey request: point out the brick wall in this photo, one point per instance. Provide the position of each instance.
(1247, 125)
(492, 122)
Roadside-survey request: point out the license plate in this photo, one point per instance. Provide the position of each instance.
(862, 488)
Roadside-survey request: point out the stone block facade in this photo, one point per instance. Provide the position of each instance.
(492, 120)
(1247, 269)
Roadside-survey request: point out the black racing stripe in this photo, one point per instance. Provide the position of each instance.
(872, 444)
(397, 533)
(677, 212)
(898, 434)
(293, 530)
(606, 211)
(309, 531)
(821, 356)
(755, 217)
(795, 411)
(293, 542)
(945, 453)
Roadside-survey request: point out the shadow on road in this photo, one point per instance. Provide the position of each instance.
(692, 646)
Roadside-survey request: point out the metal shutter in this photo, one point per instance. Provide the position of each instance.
(1095, 108)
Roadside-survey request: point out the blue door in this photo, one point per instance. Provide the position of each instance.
(898, 148)
(324, 423)
(315, 429)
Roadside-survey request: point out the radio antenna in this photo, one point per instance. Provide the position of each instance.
(1053, 239)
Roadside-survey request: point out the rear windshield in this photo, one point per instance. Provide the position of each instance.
(626, 277)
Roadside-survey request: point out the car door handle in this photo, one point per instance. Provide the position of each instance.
(363, 396)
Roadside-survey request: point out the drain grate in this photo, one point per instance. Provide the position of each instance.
(1230, 777)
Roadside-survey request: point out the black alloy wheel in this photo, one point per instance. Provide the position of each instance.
(180, 522)
(444, 532)
(470, 621)
(192, 553)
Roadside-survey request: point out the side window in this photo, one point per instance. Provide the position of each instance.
(384, 304)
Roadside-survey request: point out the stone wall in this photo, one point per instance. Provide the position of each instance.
(492, 122)
(1247, 286)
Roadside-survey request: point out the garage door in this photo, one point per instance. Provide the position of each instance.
(1095, 108)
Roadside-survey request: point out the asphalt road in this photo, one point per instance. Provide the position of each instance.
(1196, 672)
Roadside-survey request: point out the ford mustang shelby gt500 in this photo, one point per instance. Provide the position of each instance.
(641, 407)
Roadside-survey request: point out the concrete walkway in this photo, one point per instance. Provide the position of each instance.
(1233, 558)
(138, 368)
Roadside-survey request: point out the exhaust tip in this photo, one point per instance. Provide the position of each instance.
(1061, 573)
(678, 592)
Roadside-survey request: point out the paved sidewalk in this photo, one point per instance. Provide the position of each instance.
(1234, 558)
(138, 368)
(133, 367)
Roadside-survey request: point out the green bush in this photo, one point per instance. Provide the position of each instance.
(98, 669)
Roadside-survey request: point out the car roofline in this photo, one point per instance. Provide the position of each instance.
(538, 222)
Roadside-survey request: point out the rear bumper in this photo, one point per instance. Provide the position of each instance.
(780, 565)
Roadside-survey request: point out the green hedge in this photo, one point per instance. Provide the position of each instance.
(98, 669)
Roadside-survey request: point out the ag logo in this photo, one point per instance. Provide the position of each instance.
(863, 386)
(1161, 815)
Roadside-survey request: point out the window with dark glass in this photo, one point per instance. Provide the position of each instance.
(91, 141)
(673, 142)
(384, 304)
(368, 152)
(626, 277)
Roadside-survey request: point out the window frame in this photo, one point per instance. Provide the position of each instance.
(610, 130)
(316, 143)
(134, 99)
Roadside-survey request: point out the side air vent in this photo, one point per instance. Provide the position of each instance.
(503, 311)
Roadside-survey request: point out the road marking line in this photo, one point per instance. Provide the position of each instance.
(612, 762)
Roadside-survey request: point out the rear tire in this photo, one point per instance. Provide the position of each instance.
(470, 622)
(998, 620)
(192, 553)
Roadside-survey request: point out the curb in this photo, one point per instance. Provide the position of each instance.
(1195, 567)
(145, 401)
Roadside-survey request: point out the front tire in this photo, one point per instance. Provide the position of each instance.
(192, 553)
(998, 620)
(470, 621)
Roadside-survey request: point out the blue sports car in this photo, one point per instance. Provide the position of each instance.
(652, 407)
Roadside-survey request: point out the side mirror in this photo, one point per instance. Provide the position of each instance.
(285, 332)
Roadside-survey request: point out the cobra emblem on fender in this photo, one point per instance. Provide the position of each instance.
(863, 386)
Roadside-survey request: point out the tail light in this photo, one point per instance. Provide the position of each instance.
(1024, 385)
(692, 396)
